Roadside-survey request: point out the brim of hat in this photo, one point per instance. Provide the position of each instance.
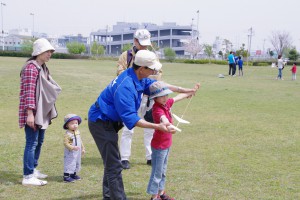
(71, 119)
(155, 66)
(145, 42)
(42, 51)
(163, 93)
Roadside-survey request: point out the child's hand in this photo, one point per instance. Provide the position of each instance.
(195, 89)
(171, 129)
(76, 148)
(197, 86)
(83, 152)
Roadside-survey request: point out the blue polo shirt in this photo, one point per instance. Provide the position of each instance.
(231, 59)
(121, 99)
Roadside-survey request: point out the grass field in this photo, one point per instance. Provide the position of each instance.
(243, 141)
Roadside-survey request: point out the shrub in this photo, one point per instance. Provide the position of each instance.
(170, 54)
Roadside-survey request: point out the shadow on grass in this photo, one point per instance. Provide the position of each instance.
(55, 178)
(97, 161)
(131, 196)
(90, 196)
(134, 196)
(10, 178)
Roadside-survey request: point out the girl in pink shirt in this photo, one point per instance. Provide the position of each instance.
(294, 71)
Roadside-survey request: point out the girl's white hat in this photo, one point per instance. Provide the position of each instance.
(159, 89)
(40, 46)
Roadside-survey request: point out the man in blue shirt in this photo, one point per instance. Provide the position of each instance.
(118, 103)
(232, 65)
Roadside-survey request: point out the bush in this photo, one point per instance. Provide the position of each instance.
(28, 55)
(170, 54)
(262, 63)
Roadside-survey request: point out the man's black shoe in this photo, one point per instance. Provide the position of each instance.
(125, 164)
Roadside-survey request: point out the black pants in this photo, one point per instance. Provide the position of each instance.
(232, 69)
(106, 138)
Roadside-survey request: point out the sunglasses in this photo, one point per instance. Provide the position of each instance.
(154, 70)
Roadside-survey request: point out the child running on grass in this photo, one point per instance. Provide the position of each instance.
(162, 141)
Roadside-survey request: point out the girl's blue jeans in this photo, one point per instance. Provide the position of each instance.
(159, 163)
(34, 141)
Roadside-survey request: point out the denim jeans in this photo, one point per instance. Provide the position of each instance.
(106, 139)
(159, 163)
(34, 141)
(279, 73)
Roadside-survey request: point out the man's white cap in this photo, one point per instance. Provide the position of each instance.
(145, 58)
(40, 46)
(143, 37)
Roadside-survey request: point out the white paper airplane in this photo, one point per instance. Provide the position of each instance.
(180, 120)
(177, 129)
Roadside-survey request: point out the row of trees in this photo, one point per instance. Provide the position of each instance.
(281, 42)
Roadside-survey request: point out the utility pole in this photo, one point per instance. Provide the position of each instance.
(250, 34)
(264, 47)
(192, 28)
(2, 4)
(106, 40)
(32, 14)
(198, 25)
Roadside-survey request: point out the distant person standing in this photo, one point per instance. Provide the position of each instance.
(240, 64)
(232, 65)
(280, 65)
(294, 71)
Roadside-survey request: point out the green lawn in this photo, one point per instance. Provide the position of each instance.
(243, 141)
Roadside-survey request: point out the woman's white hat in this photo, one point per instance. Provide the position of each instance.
(40, 46)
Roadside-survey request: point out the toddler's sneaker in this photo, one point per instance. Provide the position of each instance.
(165, 197)
(38, 174)
(75, 177)
(32, 180)
(68, 179)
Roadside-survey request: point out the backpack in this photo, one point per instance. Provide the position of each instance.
(129, 57)
(148, 116)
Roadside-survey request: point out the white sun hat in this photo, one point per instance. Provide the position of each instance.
(40, 46)
(143, 36)
(145, 58)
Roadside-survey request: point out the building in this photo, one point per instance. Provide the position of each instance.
(166, 35)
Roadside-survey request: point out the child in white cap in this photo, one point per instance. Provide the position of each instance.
(162, 141)
(73, 148)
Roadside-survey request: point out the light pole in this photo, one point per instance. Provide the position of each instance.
(250, 34)
(192, 28)
(32, 14)
(2, 4)
(197, 24)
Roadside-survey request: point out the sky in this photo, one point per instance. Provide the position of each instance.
(227, 19)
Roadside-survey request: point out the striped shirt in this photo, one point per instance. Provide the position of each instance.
(29, 78)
